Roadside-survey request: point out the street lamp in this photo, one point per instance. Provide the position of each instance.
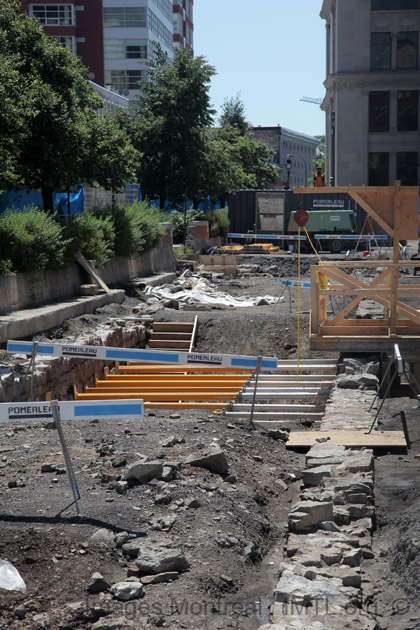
(299, 157)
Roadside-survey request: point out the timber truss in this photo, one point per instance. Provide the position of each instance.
(396, 295)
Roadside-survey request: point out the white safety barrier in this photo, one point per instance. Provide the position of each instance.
(270, 237)
(351, 237)
(104, 353)
(71, 410)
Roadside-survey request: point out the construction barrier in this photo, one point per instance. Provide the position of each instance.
(70, 410)
(103, 353)
(271, 237)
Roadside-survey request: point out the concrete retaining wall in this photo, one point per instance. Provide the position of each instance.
(27, 290)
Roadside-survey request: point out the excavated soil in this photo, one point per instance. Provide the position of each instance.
(231, 531)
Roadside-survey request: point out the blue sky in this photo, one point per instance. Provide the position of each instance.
(272, 52)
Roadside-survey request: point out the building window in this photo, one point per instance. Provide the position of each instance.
(125, 49)
(378, 169)
(159, 29)
(165, 7)
(136, 52)
(378, 111)
(407, 50)
(53, 14)
(66, 42)
(408, 110)
(407, 168)
(126, 17)
(121, 80)
(380, 51)
(394, 5)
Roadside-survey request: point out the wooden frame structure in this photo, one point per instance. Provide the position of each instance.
(395, 209)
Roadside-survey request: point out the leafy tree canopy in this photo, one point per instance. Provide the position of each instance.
(233, 115)
(168, 126)
(50, 130)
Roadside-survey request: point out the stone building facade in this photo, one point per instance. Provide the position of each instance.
(372, 91)
(285, 142)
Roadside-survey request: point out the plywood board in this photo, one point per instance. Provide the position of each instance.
(350, 439)
(84, 263)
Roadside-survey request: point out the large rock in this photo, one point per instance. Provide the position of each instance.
(347, 382)
(307, 514)
(153, 559)
(125, 591)
(314, 476)
(142, 472)
(301, 590)
(214, 460)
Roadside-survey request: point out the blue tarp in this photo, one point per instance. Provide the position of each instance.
(19, 199)
(61, 202)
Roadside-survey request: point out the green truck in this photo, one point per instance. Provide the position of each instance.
(328, 221)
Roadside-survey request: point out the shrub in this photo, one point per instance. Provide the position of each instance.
(92, 235)
(177, 219)
(150, 219)
(137, 227)
(30, 240)
(218, 222)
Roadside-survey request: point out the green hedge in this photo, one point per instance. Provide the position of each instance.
(30, 240)
(33, 240)
(137, 227)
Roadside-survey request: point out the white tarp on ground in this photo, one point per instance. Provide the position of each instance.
(195, 290)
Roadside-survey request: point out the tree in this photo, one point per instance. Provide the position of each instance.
(59, 133)
(319, 161)
(169, 126)
(233, 115)
(235, 161)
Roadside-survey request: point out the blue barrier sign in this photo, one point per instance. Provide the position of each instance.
(295, 283)
(72, 410)
(270, 237)
(351, 237)
(102, 353)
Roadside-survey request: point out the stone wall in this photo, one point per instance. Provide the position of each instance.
(26, 290)
(57, 375)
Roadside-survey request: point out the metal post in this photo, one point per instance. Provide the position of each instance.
(390, 364)
(31, 365)
(73, 483)
(383, 400)
(257, 373)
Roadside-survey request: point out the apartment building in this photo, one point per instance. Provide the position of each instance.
(298, 147)
(116, 38)
(372, 91)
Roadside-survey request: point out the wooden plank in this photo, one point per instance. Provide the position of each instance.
(173, 326)
(360, 323)
(84, 263)
(346, 310)
(172, 336)
(170, 345)
(397, 222)
(336, 331)
(350, 439)
(371, 212)
(193, 334)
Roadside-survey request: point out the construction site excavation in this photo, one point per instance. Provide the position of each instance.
(234, 448)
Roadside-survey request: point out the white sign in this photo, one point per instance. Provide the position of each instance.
(103, 353)
(72, 410)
